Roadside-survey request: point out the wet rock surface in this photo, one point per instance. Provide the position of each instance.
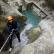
(1, 40)
(50, 3)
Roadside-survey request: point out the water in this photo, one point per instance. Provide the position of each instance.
(32, 18)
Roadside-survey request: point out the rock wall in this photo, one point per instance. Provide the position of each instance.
(10, 7)
(50, 3)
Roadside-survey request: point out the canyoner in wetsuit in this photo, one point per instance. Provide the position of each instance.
(13, 25)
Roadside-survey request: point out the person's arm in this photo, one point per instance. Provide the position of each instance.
(8, 28)
(17, 26)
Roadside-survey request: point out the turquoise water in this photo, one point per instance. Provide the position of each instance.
(32, 18)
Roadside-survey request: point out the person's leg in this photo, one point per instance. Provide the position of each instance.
(18, 36)
(10, 42)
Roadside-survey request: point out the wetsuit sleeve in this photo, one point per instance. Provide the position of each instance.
(8, 28)
(17, 26)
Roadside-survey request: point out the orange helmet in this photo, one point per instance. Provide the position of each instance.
(9, 18)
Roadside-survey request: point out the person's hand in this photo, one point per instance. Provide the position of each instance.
(13, 29)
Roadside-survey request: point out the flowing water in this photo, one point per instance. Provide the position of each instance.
(32, 18)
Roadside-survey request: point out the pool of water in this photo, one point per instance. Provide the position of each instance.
(32, 18)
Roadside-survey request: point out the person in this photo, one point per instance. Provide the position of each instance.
(13, 25)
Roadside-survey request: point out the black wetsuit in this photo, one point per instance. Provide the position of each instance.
(14, 25)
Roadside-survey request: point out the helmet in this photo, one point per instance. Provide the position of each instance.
(10, 18)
